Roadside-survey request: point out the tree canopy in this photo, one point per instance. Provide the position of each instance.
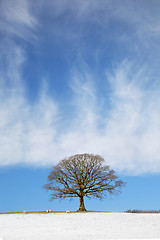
(82, 175)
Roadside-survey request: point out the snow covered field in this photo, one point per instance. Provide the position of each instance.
(84, 226)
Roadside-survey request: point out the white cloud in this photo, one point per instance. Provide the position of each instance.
(24, 128)
(142, 17)
(126, 132)
(21, 17)
(129, 140)
(17, 19)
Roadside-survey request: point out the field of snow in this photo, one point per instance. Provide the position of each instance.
(75, 226)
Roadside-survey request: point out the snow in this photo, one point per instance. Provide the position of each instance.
(75, 226)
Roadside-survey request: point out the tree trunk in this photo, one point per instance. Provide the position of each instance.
(81, 207)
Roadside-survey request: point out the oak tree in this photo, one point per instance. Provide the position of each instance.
(82, 175)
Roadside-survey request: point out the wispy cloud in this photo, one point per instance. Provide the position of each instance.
(96, 28)
(133, 14)
(120, 123)
(17, 19)
(131, 132)
(22, 125)
(129, 139)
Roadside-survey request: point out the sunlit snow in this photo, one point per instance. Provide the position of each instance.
(75, 226)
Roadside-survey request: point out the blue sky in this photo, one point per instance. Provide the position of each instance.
(75, 77)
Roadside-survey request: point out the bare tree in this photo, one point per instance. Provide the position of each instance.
(82, 175)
